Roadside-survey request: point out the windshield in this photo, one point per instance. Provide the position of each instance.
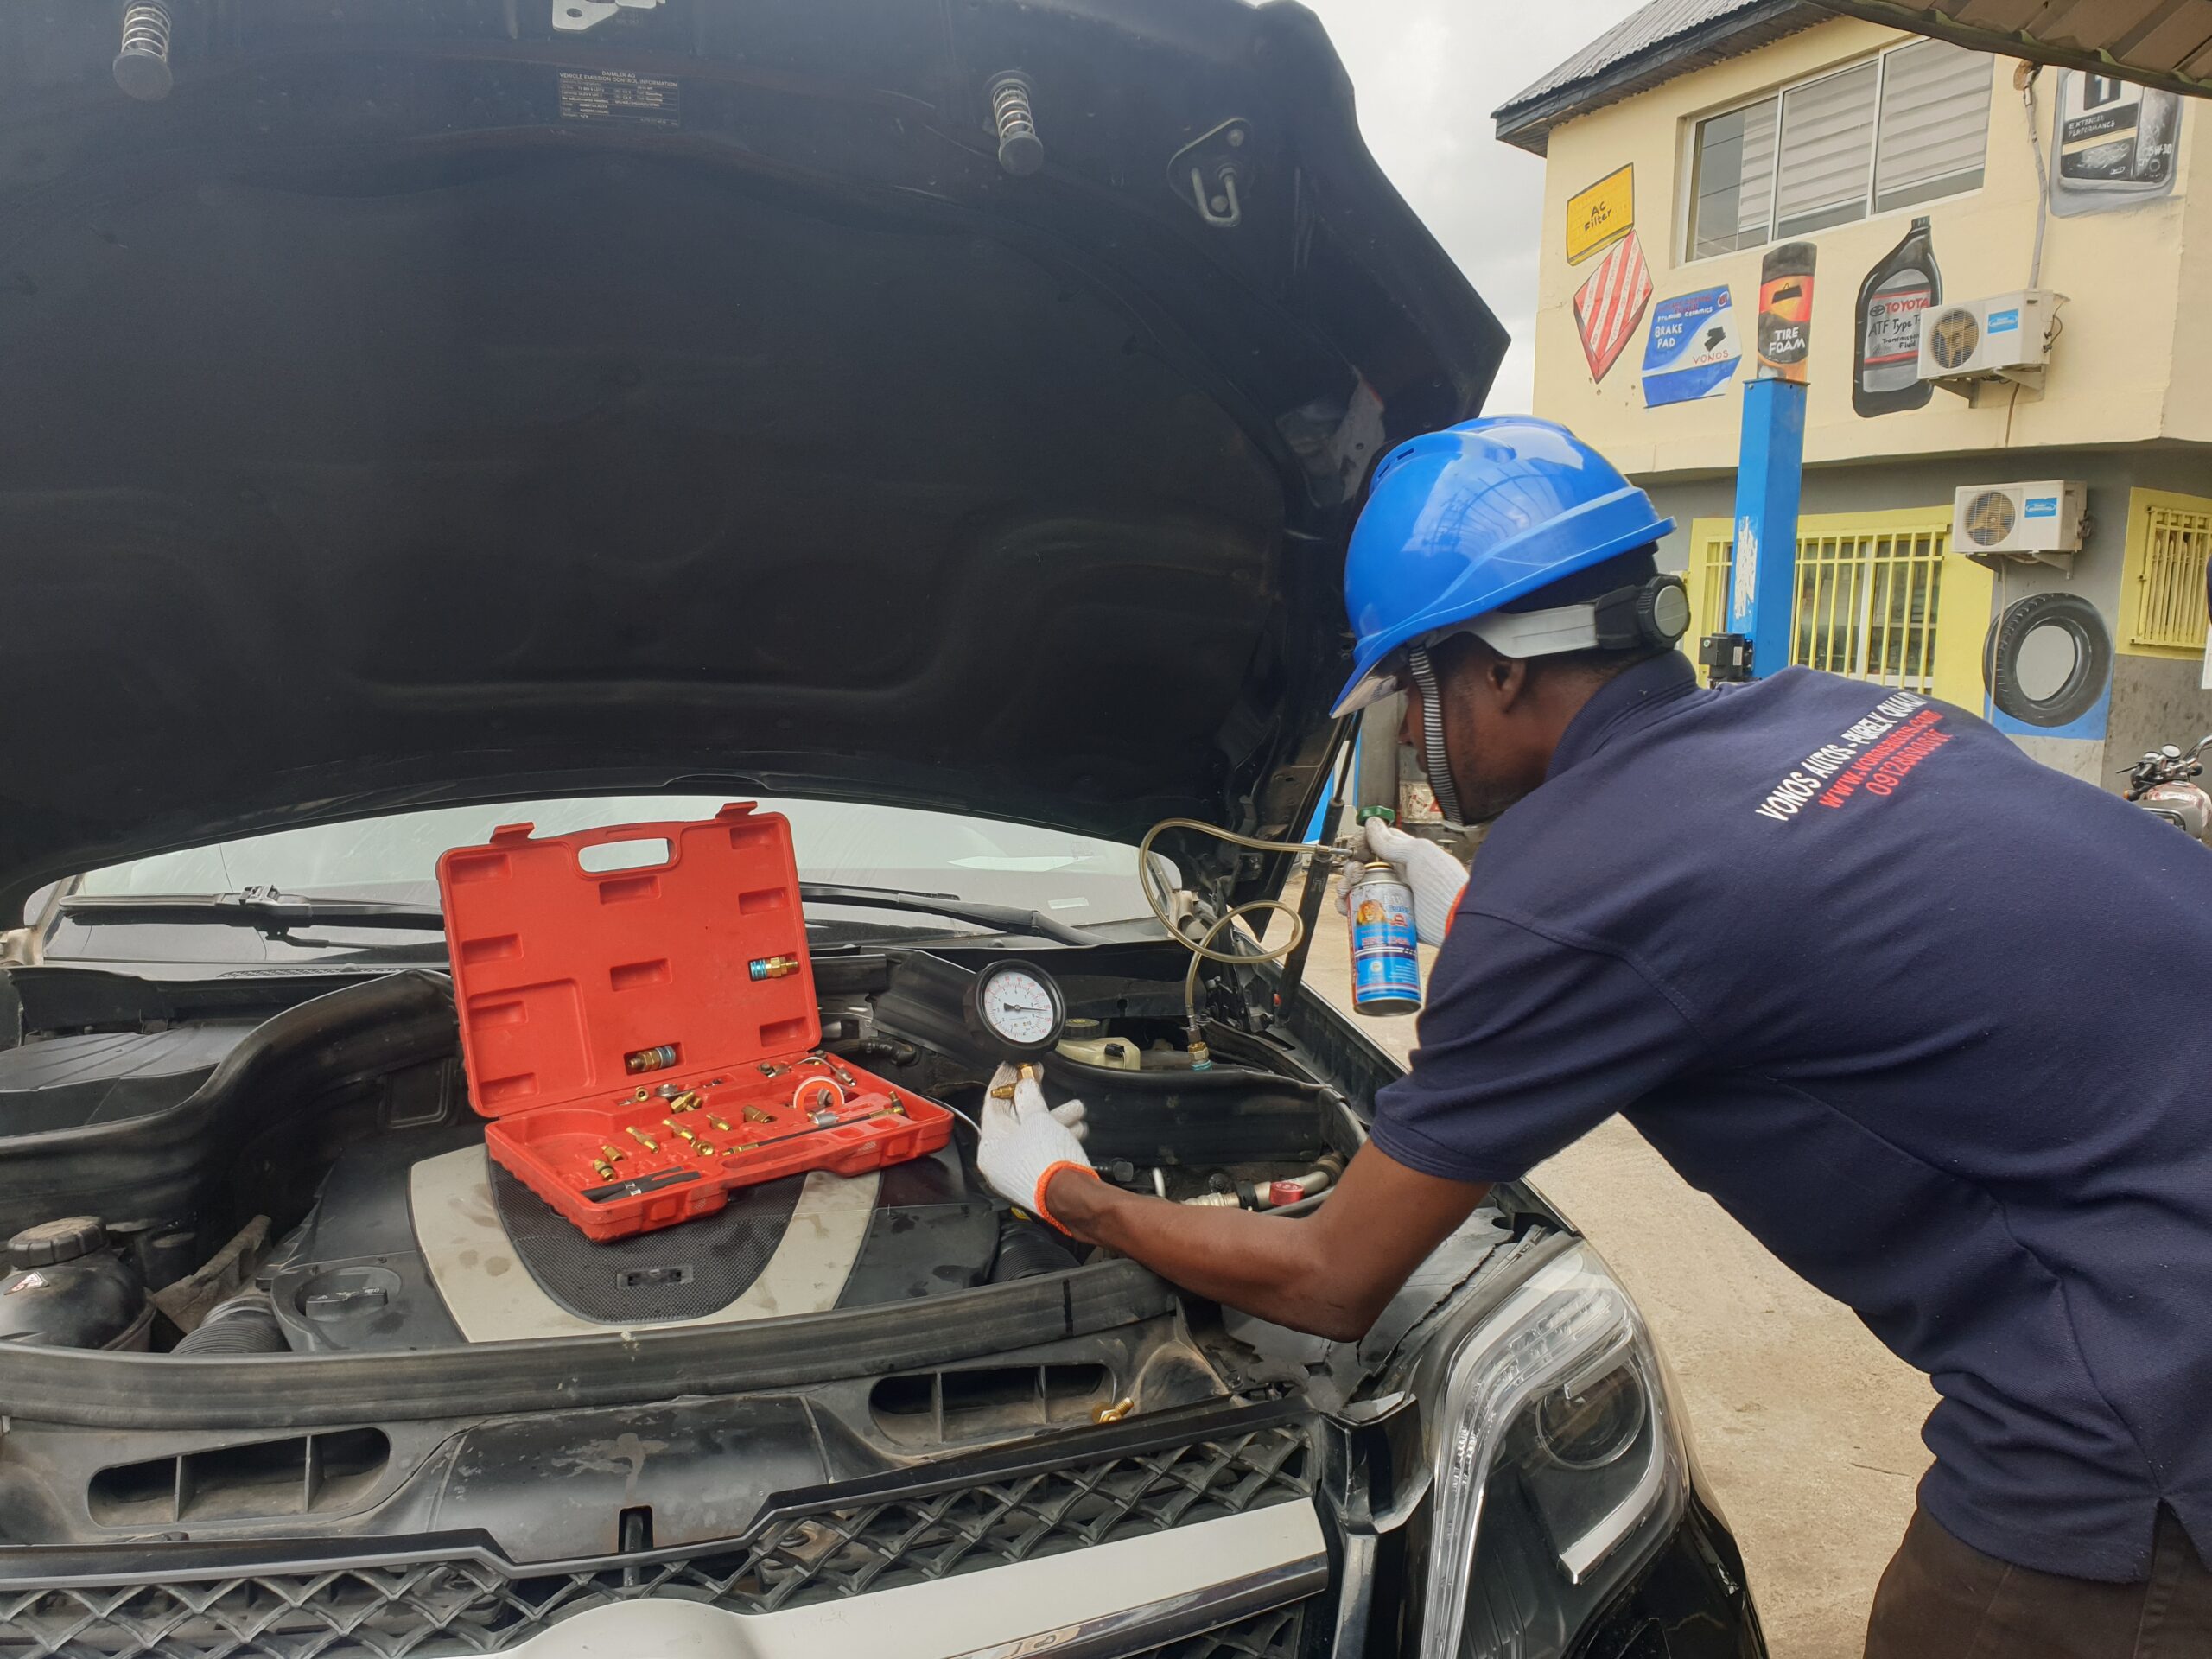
(1070, 878)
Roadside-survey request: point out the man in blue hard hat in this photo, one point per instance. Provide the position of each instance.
(1852, 962)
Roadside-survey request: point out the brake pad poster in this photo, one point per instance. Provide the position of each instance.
(1611, 303)
(2112, 144)
(1692, 349)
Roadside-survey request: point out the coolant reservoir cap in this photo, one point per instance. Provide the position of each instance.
(51, 1242)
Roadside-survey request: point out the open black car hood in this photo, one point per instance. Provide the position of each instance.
(424, 402)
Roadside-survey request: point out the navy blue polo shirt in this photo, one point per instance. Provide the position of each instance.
(1930, 1020)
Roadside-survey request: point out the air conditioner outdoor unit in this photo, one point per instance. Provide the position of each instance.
(2043, 520)
(2007, 338)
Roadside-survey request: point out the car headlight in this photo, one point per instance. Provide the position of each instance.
(1558, 1466)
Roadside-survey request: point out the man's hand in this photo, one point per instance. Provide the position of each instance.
(1025, 1143)
(1330, 1272)
(1437, 879)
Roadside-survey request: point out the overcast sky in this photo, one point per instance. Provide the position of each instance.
(1429, 73)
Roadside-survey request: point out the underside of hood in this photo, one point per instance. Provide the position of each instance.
(426, 402)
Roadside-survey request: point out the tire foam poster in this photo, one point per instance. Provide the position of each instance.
(1785, 338)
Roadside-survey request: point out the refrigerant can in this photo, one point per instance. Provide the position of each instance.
(1385, 959)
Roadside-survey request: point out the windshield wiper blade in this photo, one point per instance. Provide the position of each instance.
(1007, 918)
(260, 908)
(274, 913)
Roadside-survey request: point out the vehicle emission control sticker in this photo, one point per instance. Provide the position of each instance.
(617, 95)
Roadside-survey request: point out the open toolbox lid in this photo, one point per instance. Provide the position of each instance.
(560, 972)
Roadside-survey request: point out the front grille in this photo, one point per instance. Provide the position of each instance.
(1272, 1635)
(432, 1609)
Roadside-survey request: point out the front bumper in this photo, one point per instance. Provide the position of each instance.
(1213, 1550)
(1118, 1540)
(1235, 1586)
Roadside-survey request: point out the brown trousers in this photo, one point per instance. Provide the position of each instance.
(1941, 1599)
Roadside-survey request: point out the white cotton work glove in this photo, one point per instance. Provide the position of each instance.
(1437, 879)
(1025, 1143)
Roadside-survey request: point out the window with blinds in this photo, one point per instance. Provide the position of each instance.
(1827, 152)
(1897, 129)
(1935, 123)
(1732, 181)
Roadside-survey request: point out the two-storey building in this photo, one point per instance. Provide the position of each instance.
(1907, 182)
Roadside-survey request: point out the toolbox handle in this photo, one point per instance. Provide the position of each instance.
(662, 858)
(507, 834)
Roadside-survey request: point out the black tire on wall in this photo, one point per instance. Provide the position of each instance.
(2008, 635)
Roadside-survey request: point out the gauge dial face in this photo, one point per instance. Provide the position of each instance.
(1020, 1007)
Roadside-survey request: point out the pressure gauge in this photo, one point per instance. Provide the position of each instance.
(1017, 1007)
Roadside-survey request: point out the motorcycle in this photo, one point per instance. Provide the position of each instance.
(2161, 783)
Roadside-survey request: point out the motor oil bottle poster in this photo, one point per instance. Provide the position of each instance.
(1785, 336)
(1885, 367)
(2114, 144)
(1692, 351)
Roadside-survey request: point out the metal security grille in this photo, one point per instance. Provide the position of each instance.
(2169, 587)
(1719, 558)
(1866, 604)
(434, 1609)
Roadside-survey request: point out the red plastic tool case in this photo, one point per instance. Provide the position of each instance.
(563, 974)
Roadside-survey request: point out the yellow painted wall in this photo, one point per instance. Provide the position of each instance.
(2135, 362)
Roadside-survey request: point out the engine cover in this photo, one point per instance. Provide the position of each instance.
(418, 1241)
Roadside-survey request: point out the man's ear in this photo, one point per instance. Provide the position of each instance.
(1507, 681)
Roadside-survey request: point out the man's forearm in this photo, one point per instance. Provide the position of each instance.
(1330, 1272)
(1267, 1265)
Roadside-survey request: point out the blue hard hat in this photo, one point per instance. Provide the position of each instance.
(1463, 522)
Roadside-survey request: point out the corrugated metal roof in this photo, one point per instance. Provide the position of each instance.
(2158, 42)
(1664, 39)
(1654, 25)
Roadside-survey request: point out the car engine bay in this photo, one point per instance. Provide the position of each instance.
(237, 1168)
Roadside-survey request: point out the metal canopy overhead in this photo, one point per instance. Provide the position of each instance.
(2157, 43)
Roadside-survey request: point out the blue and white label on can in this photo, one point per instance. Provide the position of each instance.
(1385, 954)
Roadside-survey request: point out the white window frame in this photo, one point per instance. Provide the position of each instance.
(1780, 94)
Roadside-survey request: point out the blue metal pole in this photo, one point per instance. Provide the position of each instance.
(1768, 465)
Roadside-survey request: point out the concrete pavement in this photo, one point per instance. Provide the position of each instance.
(1806, 1428)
